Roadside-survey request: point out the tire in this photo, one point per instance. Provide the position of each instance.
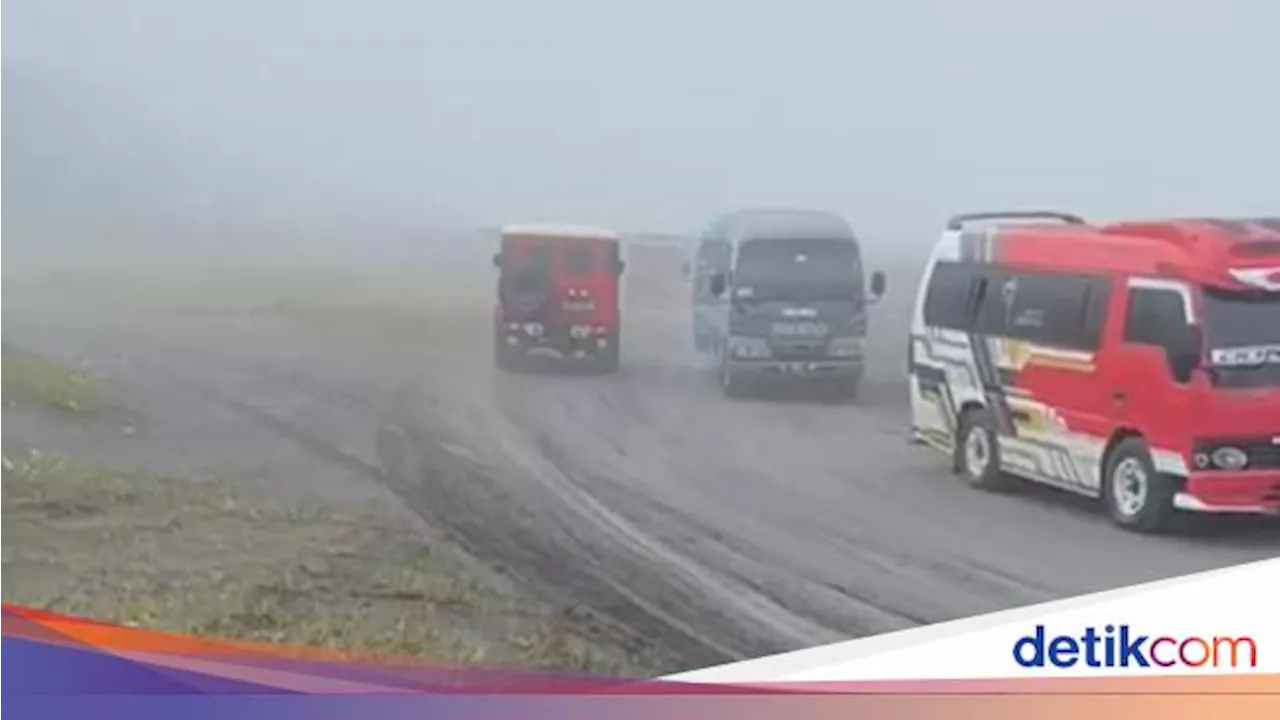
(977, 453)
(1136, 496)
(503, 358)
(608, 361)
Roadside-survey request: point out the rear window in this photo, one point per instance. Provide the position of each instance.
(535, 255)
(560, 255)
(579, 260)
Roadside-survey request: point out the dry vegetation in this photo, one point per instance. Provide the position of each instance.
(411, 309)
(44, 382)
(251, 288)
(206, 557)
(196, 557)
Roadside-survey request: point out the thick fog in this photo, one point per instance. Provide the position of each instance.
(236, 123)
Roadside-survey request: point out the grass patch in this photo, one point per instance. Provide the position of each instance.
(46, 382)
(422, 310)
(252, 288)
(196, 557)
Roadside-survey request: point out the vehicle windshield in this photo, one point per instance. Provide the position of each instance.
(798, 269)
(1242, 332)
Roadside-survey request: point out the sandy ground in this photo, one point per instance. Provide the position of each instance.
(713, 529)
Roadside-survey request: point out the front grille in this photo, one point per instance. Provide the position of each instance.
(1263, 455)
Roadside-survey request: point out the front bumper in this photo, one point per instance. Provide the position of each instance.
(1245, 491)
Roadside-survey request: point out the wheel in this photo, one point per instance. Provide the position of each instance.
(609, 360)
(1136, 496)
(978, 452)
(503, 358)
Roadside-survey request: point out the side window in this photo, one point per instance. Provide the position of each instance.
(1154, 315)
(989, 302)
(1059, 310)
(719, 254)
(1094, 313)
(702, 270)
(578, 260)
(713, 255)
(948, 297)
(615, 256)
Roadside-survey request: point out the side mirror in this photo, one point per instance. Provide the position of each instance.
(878, 284)
(619, 266)
(497, 260)
(718, 282)
(685, 269)
(1185, 352)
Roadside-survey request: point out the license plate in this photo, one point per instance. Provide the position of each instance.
(578, 305)
(800, 329)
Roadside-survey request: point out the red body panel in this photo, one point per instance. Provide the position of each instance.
(570, 282)
(1129, 387)
(1228, 491)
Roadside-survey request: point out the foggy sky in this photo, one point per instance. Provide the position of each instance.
(658, 113)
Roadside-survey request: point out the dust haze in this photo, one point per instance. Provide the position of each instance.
(278, 128)
(339, 166)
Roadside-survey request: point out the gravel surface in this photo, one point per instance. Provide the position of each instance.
(720, 529)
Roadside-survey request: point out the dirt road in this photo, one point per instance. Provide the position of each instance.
(722, 529)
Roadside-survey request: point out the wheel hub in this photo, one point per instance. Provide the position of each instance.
(977, 452)
(1129, 486)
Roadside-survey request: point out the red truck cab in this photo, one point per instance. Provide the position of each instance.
(558, 295)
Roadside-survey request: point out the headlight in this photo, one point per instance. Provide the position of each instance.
(846, 347)
(1229, 458)
(748, 347)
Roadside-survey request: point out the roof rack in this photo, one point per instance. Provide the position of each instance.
(958, 221)
(1242, 226)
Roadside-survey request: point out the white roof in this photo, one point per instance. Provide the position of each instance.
(784, 224)
(564, 230)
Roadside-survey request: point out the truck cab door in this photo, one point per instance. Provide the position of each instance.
(704, 301)
(1146, 390)
(704, 328)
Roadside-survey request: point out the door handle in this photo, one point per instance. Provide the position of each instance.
(1118, 396)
